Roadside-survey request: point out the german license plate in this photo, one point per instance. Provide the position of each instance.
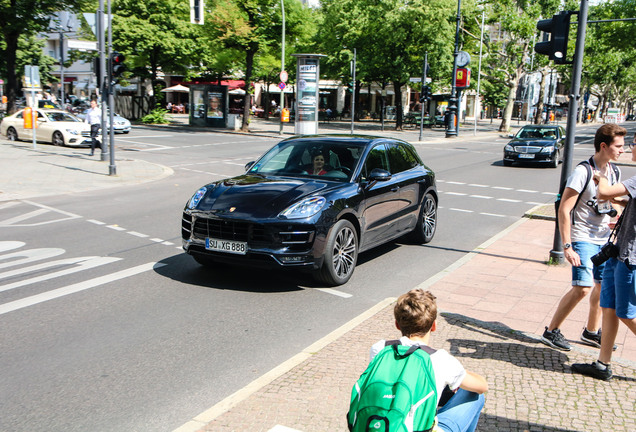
(526, 156)
(227, 246)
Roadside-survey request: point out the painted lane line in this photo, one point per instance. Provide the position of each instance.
(527, 191)
(335, 292)
(478, 185)
(456, 183)
(116, 227)
(508, 200)
(83, 263)
(480, 196)
(461, 210)
(23, 217)
(456, 193)
(492, 214)
(156, 240)
(167, 243)
(136, 234)
(502, 188)
(145, 136)
(10, 245)
(81, 286)
(8, 204)
(96, 222)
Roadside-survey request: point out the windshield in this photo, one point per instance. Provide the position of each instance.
(61, 116)
(540, 133)
(331, 159)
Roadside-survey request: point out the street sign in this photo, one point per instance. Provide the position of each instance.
(281, 85)
(415, 79)
(82, 45)
(283, 76)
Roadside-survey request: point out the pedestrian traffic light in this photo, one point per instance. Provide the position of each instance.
(117, 66)
(555, 37)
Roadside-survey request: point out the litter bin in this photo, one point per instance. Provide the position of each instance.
(233, 121)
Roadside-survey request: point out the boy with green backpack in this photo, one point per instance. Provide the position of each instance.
(403, 384)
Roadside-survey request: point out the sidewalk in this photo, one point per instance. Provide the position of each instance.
(495, 303)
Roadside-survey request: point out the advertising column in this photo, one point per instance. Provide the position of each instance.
(307, 78)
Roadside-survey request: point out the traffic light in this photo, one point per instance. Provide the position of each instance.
(426, 94)
(117, 66)
(555, 37)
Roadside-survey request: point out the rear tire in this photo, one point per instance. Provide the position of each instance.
(427, 222)
(341, 254)
(12, 134)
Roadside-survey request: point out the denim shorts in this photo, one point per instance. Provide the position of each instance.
(618, 290)
(587, 273)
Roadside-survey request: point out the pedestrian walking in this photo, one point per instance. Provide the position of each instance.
(94, 118)
(618, 290)
(584, 225)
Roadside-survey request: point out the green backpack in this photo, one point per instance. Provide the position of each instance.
(396, 393)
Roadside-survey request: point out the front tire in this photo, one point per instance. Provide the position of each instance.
(58, 139)
(12, 134)
(427, 222)
(341, 255)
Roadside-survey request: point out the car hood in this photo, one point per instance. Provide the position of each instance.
(254, 196)
(532, 142)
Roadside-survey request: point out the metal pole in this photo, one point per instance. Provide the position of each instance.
(353, 93)
(481, 45)
(34, 110)
(451, 129)
(282, 68)
(102, 90)
(556, 254)
(63, 104)
(112, 169)
(424, 67)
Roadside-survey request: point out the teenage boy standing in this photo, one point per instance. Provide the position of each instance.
(584, 228)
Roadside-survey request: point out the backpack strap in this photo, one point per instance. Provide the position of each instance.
(396, 342)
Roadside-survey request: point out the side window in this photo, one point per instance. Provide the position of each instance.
(19, 115)
(397, 159)
(377, 158)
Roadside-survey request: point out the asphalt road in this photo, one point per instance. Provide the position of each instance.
(150, 339)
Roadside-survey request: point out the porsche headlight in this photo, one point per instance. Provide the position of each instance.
(198, 195)
(73, 131)
(305, 208)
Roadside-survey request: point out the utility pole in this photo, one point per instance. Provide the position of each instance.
(353, 89)
(112, 169)
(424, 67)
(451, 128)
(556, 254)
(282, 69)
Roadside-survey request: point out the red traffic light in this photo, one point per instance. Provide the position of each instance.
(117, 66)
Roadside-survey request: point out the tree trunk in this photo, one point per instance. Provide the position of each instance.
(510, 103)
(12, 78)
(397, 88)
(538, 114)
(249, 65)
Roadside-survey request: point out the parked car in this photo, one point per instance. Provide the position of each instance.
(371, 191)
(120, 124)
(536, 143)
(53, 126)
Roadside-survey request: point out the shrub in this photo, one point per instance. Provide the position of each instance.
(156, 116)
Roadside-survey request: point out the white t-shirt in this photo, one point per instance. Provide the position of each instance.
(448, 370)
(93, 116)
(586, 225)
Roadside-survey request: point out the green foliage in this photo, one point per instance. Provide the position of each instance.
(30, 52)
(156, 116)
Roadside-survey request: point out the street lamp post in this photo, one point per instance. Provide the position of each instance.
(282, 69)
(451, 128)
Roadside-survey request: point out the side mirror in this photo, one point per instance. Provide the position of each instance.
(511, 135)
(379, 175)
(249, 165)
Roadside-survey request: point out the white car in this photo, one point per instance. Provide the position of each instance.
(120, 124)
(53, 126)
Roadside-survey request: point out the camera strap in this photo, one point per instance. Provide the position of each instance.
(616, 229)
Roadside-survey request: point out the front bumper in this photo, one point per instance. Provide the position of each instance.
(528, 157)
(269, 243)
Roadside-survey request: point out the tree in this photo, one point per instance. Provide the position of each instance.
(390, 37)
(22, 18)
(251, 27)
(155, 36)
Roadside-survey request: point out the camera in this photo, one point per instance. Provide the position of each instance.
(609, 250)
(604, 208)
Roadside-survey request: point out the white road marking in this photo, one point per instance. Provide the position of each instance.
(480, 196)
(156, 240)
(42, 210)
(456, 193)
(10, 245)
(144, 136)
(509, 200)
(502, 188)
(461, 210)
(457, 183)
(96, 222)
(527, 191)
(136, 234)
(492, 214)
(8, 204)
(478, 185)
(83, 263)
(23, 217)
(116, 227)
(335, 292)
(81, 286)
(29, 255)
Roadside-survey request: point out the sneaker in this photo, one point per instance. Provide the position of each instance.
(592, 370)
(555, 339)
(593, 339)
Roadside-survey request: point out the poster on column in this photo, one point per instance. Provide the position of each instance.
(307, 82)
(215, 109)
